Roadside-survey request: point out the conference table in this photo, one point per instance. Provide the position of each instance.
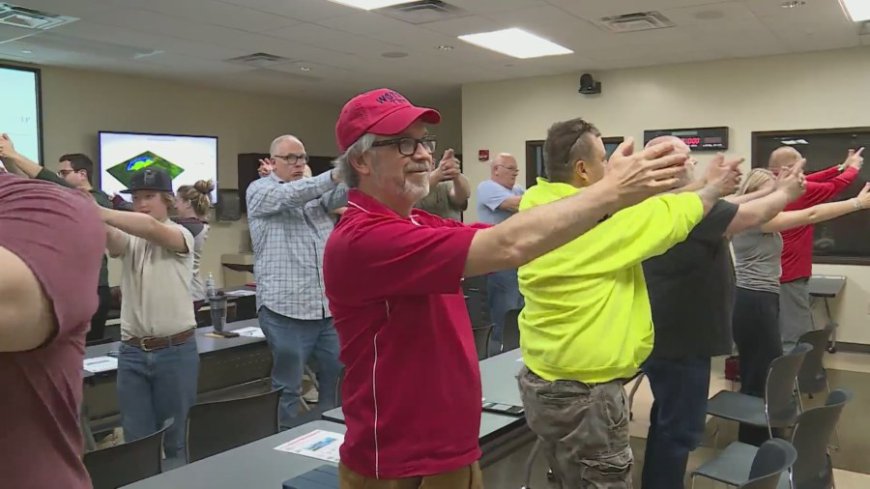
(227, 365)
(252, 466)
(500, 434)
(259, 466)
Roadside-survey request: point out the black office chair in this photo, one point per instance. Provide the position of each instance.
(812, 377)
(120, 465)
(481, 340)
(215, 427)
(511, 335)
(813, 469)
(474, 289)
(774, 458)
(780, 406)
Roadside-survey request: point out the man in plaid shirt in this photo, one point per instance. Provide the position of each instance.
(289, 218)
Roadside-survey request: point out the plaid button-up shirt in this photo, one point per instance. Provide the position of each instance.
(289, 225)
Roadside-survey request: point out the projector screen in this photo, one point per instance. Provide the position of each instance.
(20, 111)
(186, 158)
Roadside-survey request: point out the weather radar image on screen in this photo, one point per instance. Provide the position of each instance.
(185, 158)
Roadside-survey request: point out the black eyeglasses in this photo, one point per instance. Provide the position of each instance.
(407, 146)
(64, 173)
(294, 159)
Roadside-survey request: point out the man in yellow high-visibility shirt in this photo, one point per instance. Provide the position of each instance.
(587, 326)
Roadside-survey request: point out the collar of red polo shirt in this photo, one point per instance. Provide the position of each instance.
(383, 112)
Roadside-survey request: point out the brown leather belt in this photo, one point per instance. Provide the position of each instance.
(151, 343)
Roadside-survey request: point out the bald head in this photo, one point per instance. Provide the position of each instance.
(504, 169)
(275, 149)
(783, 157)
(679, 146)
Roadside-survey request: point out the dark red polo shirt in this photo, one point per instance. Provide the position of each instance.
(411, 393)
(797, 243)
(58, 234)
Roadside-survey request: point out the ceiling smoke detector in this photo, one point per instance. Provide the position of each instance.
(639, 21)
(26, 18)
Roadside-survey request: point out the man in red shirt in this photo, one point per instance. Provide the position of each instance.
(411, 392)
(47, 297)
(795, 313)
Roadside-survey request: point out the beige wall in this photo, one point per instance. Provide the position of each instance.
(78, 104)
(827, 89)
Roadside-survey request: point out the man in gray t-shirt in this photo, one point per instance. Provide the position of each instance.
(497, 199)
(448, 189)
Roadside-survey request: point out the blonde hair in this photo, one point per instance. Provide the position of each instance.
(755, 180)
(198, 195)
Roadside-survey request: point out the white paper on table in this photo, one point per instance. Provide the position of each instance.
(240, 293)
(100, 364)
(251, 331)
(319, 444)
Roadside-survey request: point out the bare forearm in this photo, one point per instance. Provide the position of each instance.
(24, 165)
(757, 212)
(534, 232)
(813, 215)
(709, 196)
(133, 223)
(742, 199)
(461, 190)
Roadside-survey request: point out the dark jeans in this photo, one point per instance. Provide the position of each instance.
(98, 320)
(293, 342)
(154, 386)
(677, 419)
(582, 430)
(503, 294)
(756, 333)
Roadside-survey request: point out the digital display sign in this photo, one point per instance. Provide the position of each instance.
(699, 139)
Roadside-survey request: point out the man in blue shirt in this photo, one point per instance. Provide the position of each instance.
(290, 219)
(497, 199)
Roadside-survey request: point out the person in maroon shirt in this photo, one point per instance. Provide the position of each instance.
(795, 313)
(47, 297)
(411, 392)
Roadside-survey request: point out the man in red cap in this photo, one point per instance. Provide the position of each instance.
(411, 392)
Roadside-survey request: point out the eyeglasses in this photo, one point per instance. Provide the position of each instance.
(509, 169)
(294, 159)
(64, 173)
(407, 146)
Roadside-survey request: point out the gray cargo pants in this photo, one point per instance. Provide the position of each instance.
(582, 429)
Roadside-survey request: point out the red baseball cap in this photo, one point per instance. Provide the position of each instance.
(383, 112)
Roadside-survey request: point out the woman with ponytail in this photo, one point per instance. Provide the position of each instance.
(192, 203)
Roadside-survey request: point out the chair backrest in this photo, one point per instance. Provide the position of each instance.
(811, 437)
(481, 340)
(214, 427)
(511, 335)
(811, 377)
(774, 457)
(781, 403)
(117, 466)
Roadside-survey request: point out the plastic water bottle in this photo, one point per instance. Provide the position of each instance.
(209, 286)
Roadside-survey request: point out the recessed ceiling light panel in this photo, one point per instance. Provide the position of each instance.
(857, 10)
(516, 42)
(371, 4)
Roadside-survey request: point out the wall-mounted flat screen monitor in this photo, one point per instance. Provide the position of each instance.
(187, 159)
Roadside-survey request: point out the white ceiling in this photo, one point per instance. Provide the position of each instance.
(342, 46)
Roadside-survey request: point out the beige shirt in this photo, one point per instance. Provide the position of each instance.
(155, 288)
(438, 202)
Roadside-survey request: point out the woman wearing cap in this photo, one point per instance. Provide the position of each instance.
(757, 252)
(192, 203)
(158, 363)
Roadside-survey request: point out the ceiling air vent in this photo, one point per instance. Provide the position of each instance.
(423, 12)
(259, 60)
(639, 21)
(26, 18)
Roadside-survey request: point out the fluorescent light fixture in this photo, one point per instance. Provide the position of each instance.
(516, 42)
(857, 10)
(371, 4)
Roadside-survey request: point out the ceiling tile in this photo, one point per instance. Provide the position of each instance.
(333, 39)
(305, 10)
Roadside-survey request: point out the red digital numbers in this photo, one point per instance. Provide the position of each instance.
(692, 142)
